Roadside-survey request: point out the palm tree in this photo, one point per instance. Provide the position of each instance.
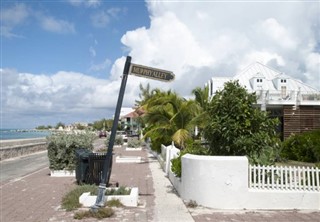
(169, 117)
(202, 100)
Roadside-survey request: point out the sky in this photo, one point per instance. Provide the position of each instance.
(62, 61)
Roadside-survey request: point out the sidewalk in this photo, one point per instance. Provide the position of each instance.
(37, 197)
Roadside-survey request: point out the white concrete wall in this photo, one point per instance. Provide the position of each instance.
(222, 182)
(215, 181)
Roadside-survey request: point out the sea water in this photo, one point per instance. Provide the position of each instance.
(11, 134)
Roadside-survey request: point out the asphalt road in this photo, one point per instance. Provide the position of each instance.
(13, 169)
(16, 168)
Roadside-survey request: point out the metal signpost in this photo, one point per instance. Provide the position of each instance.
(138, 70)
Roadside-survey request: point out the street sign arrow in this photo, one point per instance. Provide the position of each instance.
(151, 73)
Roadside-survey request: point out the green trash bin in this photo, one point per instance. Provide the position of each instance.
(82, 167)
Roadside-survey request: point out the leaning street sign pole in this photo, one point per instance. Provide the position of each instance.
(137, 70)
(106, 172)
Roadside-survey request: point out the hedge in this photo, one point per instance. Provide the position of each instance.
(62, 146)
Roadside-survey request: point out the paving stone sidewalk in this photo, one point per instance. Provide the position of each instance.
(37, 197)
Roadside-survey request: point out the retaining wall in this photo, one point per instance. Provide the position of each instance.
(221, 182)
(15, 148)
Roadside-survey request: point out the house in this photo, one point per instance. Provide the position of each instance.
(296, 104)
(128, 119)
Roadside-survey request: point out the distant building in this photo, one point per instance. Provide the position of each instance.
(129, 121)
(296, 104)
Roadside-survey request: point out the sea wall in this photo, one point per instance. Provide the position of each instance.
(20, 147)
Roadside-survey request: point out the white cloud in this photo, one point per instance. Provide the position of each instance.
(103, 17)
(278, 33)
(195, 40)
(221, 38)
(56, 25)
(101, 66)
(87, 3)
(13, 17)
(74, 95)
(92, 51)
(100, 19)
(313, 66)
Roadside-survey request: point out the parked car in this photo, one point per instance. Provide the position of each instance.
(102, 134)
(123, 134)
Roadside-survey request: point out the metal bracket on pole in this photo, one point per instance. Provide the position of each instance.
(108, 161)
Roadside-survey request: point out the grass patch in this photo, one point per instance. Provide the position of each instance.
(71, 200)
(99, 214)
(114, 203)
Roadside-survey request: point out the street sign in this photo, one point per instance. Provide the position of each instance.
(151, 73)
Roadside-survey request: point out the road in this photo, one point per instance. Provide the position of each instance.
(15, 168)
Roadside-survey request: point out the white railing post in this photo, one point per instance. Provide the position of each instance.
(168, 159)
(318, 179)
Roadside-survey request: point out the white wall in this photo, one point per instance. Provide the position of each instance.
(221, 182)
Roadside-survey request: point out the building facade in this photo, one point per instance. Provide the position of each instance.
(296, 104)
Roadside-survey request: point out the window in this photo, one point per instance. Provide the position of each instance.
(259, 80)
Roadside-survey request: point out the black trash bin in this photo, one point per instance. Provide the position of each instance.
(96, 164)
(82, 167)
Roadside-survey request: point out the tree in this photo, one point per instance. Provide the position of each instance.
(202, 100)
(168, 118)
(103, 124)
(60, 124)
(236, 127)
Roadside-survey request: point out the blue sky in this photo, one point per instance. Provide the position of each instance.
(63, 60)
(57, 35)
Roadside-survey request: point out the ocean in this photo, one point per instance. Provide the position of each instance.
(12, 134)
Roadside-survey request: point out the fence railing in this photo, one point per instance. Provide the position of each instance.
(284, 178)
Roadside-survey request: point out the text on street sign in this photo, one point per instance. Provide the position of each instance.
(152, 73)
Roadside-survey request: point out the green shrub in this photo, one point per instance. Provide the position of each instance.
(62, 146)
(120, 191)
(117, 141)
(114, 203)
(303, 147)
(192, 148)
(134, 143)
(113, 191)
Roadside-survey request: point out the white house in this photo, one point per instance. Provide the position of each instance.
(296, 104)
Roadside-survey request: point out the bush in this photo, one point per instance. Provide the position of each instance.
(117, 141)
(236, 127)
(62, 146)
(119, 191)
(134, 143)
(192, 148)
(303, 147)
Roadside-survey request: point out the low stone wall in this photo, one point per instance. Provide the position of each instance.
(15, 148)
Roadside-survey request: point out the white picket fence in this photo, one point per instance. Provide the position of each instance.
(284, 178)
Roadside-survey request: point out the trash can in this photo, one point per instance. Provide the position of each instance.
(82, 167)
(96, 164)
